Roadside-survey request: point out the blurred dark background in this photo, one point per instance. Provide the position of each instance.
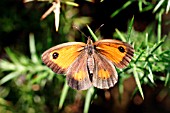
(22, 94)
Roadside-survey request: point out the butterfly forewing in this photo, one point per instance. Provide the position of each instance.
(60, 57)
(120, 53)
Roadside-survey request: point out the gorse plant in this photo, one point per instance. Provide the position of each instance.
(27, 85)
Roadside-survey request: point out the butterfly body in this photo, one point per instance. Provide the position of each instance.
(90, 64)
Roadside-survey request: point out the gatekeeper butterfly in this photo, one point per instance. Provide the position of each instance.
(91, 64)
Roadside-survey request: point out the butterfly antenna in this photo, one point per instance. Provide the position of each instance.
(80, 31)
(99, 28)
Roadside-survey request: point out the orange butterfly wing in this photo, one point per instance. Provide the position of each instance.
(60, 57)
(120, 53)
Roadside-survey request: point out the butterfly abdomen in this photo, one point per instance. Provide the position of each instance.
(90, 64)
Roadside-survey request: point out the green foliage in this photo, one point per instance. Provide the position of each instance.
(27, 85)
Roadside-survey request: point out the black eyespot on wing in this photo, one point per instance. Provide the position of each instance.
(55, 55)
(121, 49)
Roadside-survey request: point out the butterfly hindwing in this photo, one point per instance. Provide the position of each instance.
(77, 75)
(120, 53)
(105, 74)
